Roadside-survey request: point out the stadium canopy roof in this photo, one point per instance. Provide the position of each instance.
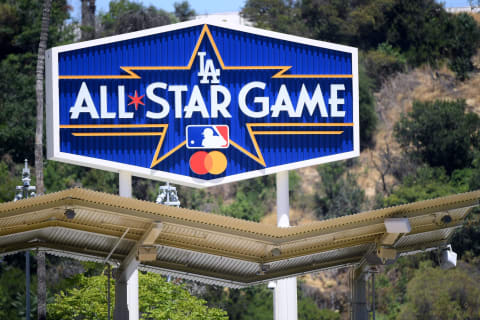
(215, 249)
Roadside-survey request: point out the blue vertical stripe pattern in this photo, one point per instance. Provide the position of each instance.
(123, 142)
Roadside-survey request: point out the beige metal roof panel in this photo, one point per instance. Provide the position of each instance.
(208, 262)
(425, 237)
(67, 237)
(213, 248)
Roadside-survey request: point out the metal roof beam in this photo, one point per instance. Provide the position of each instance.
(132, 261)
(151, 235)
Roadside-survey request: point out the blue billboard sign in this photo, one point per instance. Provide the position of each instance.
(201, 104)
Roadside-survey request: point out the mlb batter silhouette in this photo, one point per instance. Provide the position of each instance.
(211, 141)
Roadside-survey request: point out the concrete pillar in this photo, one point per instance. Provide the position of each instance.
(126, 285)
(121, 305)
(285, 291)
(359, 296)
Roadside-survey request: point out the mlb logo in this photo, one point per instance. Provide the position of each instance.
(208, 137)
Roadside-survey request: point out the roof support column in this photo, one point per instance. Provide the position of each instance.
(126, 286)
(285, 291)
(359, 295)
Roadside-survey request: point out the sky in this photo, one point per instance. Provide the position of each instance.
(208, 6)
(200, 6)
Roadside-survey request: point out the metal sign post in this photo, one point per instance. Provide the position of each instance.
(126, 286)
(285, 291)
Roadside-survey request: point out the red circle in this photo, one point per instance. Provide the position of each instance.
(197, 162)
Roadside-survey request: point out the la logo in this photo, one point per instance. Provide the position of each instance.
(207, 69)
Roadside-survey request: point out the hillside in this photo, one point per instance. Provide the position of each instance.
(395, 97)
(330, 288)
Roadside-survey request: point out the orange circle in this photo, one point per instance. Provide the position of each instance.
(215, 162)
(208, 162)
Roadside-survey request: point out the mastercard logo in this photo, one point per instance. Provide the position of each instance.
(203, 162)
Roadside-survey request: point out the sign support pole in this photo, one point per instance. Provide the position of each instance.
(126, 292)
(285, 290)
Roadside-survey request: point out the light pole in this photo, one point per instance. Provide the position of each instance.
(25, 191)
(168, 196)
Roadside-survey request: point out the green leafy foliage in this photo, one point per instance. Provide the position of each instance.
(426, 183)
(10, 178)
(253, 198)
(383, 62)
(277, 15)
(391, 284)
(466, 241)
(434, 293)
(159, 299)
(61, 176)
(254, 303)
(12, 292)
(128, 16)
(20, 22)
(196, 199)
(17, 102)
(463, 45)
(368, 116)
(440, 133)
(308, 310)
(183, 11)
(19, 38)
(338, 193)
(420, 31)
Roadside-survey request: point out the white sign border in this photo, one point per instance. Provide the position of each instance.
(52, 109)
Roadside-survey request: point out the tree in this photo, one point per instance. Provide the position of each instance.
(253, 199)
(383, 62)
(338, 192)
(41, 266)
(426, 183)
(128, 16)
(434, 293)
(9, 181)
(463, 44)
(88, 20)
(421, 31)
(159, 300)
(277, 15)
(13, 293)
(440, 133)
(183, 11)
(20, 23)
(368, 117)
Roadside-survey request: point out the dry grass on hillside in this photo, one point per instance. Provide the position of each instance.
(396, 97)
(476, 16)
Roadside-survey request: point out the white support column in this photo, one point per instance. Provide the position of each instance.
(126, 286)
(125, 184)
(132, 296)
(283, 201)
(285, 291)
